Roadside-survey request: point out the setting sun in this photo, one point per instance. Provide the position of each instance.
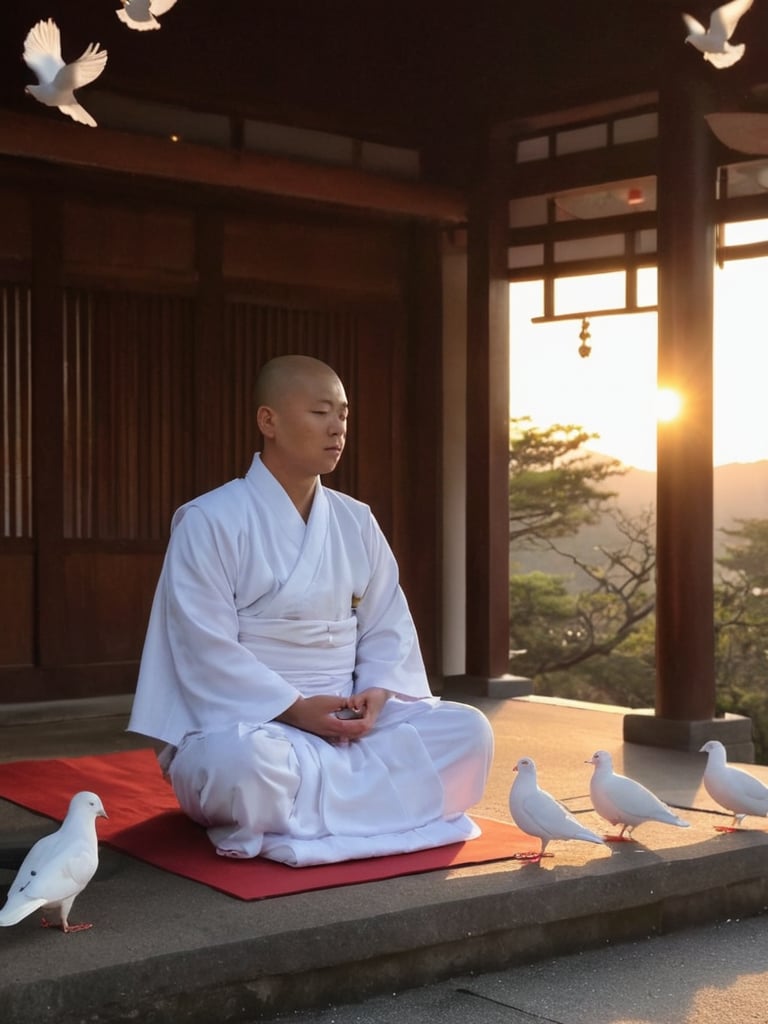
(668, 404)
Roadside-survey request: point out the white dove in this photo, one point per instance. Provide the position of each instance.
(733, 788)
(58, 867)
(538, 813)
(623, 801)
(142, 15)
(713, 41)
(57, 81)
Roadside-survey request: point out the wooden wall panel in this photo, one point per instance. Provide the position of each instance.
(15, 237)
(17, 608)
(17, 561)
(127, 413)
(133, 355)
(345, 257)
(105, 601)
(127, 240)
(15, 411)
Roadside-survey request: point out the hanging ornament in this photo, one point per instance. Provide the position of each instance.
(584, 347)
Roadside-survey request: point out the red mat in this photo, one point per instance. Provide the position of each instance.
(145, 821)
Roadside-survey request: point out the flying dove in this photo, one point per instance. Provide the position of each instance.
(142, 15)
(623, 801)
(58, 867)
(733, 788)
(538, 813)
(713, 41)
(57, 81)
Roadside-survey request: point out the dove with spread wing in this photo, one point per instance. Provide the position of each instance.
(142, 15)
(538, 813)
(623, 801)
(713, 41)
(58, 867)
(733, 788)
(57, 81)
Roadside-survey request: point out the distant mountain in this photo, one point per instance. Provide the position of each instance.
(740, 492)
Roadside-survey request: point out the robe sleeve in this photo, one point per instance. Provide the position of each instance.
(388, 652)
(193, 639)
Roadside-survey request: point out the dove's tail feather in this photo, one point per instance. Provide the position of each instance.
(589, 837)
(727, 59)
(139, 26)
(78, 113)
(672, 819)
(12, 913)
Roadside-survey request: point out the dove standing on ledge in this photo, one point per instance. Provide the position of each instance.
(713, 41)
(142, 15)
(57, 81)
(733, 788)
(58, 867)
(623, 801)
(538, 813)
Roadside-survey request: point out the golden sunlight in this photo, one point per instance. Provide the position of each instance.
(669, 404)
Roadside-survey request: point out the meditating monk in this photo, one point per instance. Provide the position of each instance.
(281, 666)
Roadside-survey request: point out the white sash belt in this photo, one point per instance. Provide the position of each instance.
(292, 648)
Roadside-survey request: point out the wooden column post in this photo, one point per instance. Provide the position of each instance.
(487, 558)
(685, 673)
(685, 679)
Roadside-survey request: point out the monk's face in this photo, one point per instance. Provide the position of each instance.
(307, 428)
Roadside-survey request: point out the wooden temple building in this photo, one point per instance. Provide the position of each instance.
(359, 181)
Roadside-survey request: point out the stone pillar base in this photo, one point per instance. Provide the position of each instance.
(500, 687)
(733, 731)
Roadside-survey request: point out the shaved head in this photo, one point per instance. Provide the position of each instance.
(285, 375)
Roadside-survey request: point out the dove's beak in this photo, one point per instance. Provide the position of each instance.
(102, 814)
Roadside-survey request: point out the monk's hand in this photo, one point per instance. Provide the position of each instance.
(369, 703)
(318, 715)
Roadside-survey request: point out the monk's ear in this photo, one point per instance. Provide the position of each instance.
(265, 420)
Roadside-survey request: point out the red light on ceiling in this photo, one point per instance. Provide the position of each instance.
(635, 197)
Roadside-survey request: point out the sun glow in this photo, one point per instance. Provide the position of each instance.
(669, 404)
(614, 391)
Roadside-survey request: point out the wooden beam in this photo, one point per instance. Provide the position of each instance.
(40, 138)
(586, 169)
(599, 110)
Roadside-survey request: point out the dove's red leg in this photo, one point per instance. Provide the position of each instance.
(735, 825)
(620, 838)
(66, 928)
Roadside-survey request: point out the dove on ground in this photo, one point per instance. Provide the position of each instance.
(623, 801)
(142, 15)
(58, 867)
(713, 41)
(733, 788)
(539, 814)
(57, 81)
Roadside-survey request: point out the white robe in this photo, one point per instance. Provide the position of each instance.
(255, 607)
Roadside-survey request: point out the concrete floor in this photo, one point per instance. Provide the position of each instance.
(164, 949)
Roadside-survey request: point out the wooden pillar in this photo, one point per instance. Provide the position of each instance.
(685, 680)
(487, 554)
(685, 672)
